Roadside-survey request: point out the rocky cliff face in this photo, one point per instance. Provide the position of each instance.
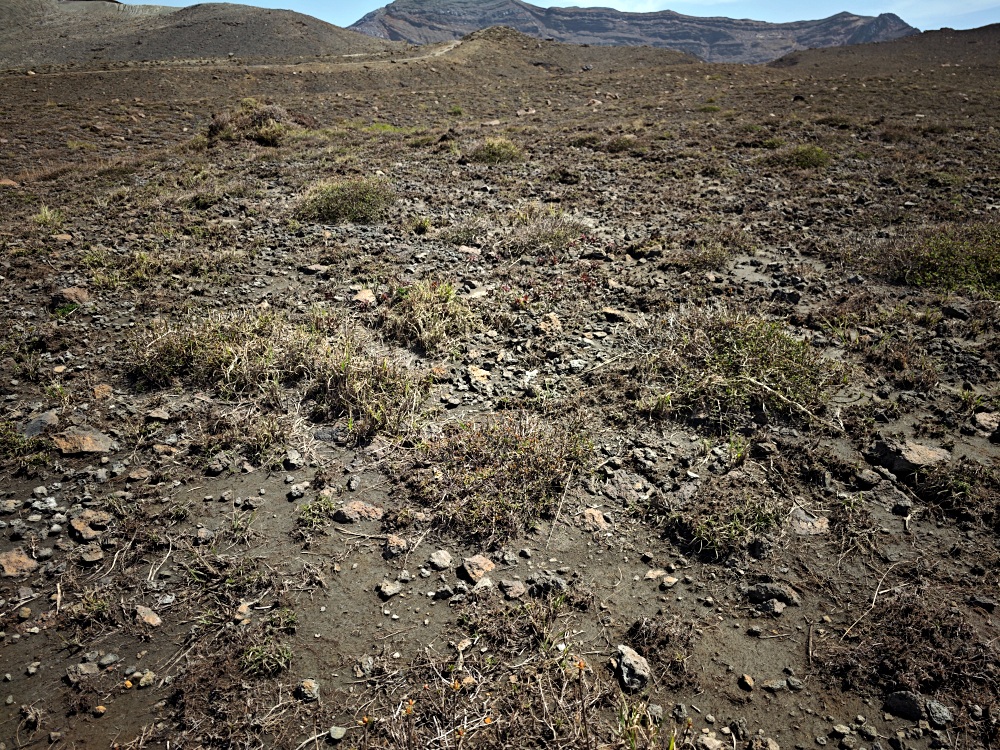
(712, 39)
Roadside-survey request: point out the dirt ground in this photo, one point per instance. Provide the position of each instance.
(507, 394)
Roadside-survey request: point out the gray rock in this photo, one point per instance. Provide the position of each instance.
(440, 560)
(388, 589)
(938, 714)
(905, 705)
(545, 583)
(906, 457)
(307, 690)
(633, 669)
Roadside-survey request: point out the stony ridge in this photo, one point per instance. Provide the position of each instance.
(47, 32)
(712, 39)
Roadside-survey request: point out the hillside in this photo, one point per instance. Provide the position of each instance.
(712, 39)
(49, 32)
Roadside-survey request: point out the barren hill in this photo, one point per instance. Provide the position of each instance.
(712, 39)
(946, 48)
(40, 32)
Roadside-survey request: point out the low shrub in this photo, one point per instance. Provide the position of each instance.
(365, 200)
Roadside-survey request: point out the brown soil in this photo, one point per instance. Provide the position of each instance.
(694, 354)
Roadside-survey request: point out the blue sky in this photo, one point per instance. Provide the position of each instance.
(924, 14)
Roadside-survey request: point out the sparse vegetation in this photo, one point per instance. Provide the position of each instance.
(365, 200)
(49, 218)
(804, 157)
(497, 151)
(727, 367)
(952, 257)
(266, 124)
(493, 479)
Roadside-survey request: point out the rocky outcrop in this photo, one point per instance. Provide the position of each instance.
(712, 39)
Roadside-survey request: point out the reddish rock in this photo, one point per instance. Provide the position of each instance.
(477, 566)
(356, 511)
(82, 440)
(16, 563)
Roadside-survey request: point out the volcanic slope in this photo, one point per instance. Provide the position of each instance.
(712, 39)
(501, 394)
(48, 32)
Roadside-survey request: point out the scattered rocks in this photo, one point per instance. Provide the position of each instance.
(633, 669)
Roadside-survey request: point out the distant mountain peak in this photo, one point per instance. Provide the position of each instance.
(712, 39)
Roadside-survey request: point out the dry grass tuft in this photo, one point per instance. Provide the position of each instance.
(359, 201)
(427, 315)
(492, 480)
(728, 367)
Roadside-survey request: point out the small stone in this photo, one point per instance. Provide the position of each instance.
(147, 679)
(395, 545)
(365, 298)
(909, 456)
(938, 714)
(633, 669)
(840, 730)
(99, 711)
(158, 415)
(337, 733)
(388, 589)
(513, 589)
(307, 690)
(356, 511)
(594, 520)
(91, 553)
(775, 686)
(440, 560)
(88, 524)
(745, 682)
(763, 592)
(107, 660)
(668, 582)
(477, 566)
(147, 616)
(24, 613)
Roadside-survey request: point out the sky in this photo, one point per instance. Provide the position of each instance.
(924, 14)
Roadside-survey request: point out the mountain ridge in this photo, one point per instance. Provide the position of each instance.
(714, 39)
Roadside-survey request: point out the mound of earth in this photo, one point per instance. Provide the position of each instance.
(50, 32)
(712, 39)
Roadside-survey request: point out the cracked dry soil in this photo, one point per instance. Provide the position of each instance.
(638, 403)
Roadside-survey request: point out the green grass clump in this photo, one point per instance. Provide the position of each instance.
(497, 151)
(13, 445)
(535, 227)
(360, 201)
(492, 480)
(724, 366)
(951, 257)
(427, 315)
(49, 218)
(806, 157)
